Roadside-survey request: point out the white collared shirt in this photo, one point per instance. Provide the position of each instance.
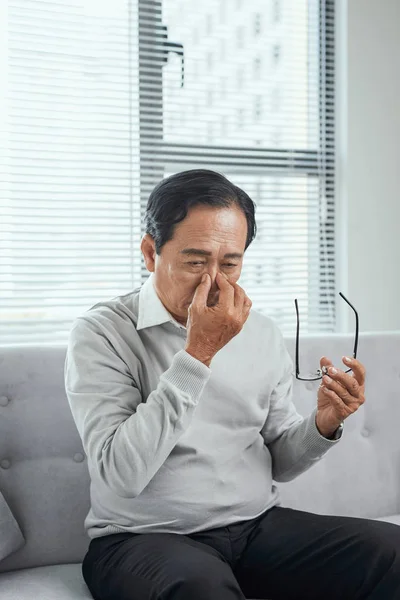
(152, 312)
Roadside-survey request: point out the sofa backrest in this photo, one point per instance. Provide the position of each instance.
(43, 471)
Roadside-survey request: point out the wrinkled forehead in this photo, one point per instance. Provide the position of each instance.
(209, 229)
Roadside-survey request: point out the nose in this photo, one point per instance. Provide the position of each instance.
(213, 274)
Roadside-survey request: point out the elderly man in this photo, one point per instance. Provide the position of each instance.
(182, 396)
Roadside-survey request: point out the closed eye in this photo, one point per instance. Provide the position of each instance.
(200, 263)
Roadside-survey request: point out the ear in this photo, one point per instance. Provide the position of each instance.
(148, 249)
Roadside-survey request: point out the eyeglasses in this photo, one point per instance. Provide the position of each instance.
(321, 372)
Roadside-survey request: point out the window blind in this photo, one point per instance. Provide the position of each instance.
(100, 99)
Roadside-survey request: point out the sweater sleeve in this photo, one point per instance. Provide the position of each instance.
(294, 442)
(127, 438)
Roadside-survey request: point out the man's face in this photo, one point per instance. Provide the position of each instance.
(207, 241)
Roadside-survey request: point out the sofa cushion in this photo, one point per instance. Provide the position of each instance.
(44, 474)
(59, 582)
(390, 519)
(11, 538)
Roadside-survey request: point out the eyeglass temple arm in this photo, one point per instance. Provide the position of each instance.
(297, 339)
(298, 330)
(356, 315)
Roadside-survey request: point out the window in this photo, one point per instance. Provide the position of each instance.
(257, 67)
(276, 137)
(259, 274)
(94, 116)
(240, 78)
(223, 83)
(278, 227)
(276, 187)
(240, 118)
(222, 11)
(257, 108)
(276, 53)
(258, 194)
(224, 127)
(276, 11)
(277, 270)
(276, 100)
(222, 49)
(209, 25)
(240, 37)
(210, 132)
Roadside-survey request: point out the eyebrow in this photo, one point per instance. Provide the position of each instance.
(199, 252)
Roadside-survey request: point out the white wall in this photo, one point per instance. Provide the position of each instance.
(369, 161)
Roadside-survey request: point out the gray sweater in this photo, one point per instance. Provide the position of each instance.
(172, 445)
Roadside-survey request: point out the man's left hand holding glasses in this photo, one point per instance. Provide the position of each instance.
(339, 395)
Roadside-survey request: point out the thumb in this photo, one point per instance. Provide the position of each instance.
(201, 294)
(325, 362)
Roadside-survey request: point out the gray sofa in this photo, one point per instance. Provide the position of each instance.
(44, 484)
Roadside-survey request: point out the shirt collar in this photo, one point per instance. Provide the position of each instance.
(152, 311)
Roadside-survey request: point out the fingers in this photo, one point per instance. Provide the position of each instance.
(342, 409)
(247, 304)
(241, 300)
(226, 290)
(325, 362)
(240, 295)
(357, 368)
(343, 384)
(337, 389)
(201, 294)
(230, 295)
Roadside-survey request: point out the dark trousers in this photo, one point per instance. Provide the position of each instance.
(284, 554)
